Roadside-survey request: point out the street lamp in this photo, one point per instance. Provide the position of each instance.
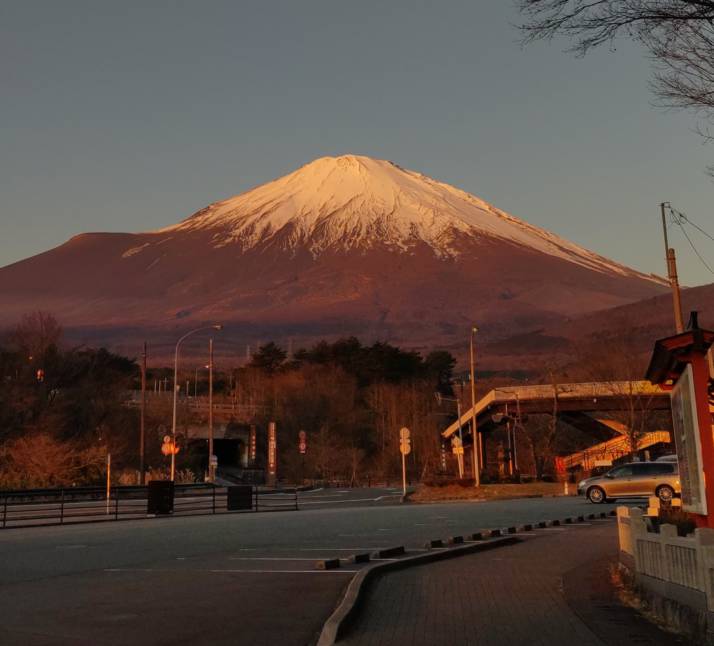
(176, 386)
(474, 429)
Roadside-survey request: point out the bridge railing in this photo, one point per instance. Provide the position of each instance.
(39, 507)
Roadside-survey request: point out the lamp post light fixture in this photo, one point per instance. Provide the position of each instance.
(176, 387)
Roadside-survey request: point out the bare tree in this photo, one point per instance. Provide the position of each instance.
(36, 333)
(677, 34)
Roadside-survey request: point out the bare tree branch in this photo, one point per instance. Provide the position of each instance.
(678, 35)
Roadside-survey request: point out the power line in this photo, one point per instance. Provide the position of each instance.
(677, 218)
(688, 221)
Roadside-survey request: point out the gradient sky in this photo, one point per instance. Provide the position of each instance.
(129, 116)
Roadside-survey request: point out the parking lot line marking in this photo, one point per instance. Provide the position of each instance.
(340, 571)
(340, 549)
(335, 502)
(234, 571)
(269, 558)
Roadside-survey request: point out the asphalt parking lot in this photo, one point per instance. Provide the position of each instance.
(224, 579)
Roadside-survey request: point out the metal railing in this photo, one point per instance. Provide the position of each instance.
(40, 507)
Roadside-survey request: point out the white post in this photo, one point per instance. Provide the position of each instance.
(109, 478)
(404, 474)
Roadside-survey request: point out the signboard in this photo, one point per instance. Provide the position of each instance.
(685, 424)
(252, 446)
(302, 442)
(442, 447)
(272, 450)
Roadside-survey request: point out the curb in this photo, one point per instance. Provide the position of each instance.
(348, 608)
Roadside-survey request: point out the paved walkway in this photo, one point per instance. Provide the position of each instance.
(551, 589)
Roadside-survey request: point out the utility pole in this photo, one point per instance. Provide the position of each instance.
(142, 416)
(672, 273)
(474, 428)
(211, 466)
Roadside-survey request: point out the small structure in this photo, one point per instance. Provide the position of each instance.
(682, 365)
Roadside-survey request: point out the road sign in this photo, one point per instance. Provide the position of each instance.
(169, 448)
(457, 447)
(405, 448)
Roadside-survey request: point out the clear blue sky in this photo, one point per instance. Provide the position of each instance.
(128, 116)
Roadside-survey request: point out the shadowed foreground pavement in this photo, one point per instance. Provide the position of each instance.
(551, 589)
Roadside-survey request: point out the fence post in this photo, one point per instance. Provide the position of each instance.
(116, 503)
(61, 506)
(213, 497)
(296, 499)
(4, 514)
(255, 490)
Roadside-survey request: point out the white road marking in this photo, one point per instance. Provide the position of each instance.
(337, 571)
(333, 502)
(269, 558)
(340, 549)
(232, 571)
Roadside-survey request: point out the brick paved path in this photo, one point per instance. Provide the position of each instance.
(509, 596)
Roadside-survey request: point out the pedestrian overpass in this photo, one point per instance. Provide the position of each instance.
(587, 406)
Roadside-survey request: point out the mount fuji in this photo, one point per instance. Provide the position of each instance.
(344, 245)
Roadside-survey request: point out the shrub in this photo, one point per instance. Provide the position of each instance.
(680, 519)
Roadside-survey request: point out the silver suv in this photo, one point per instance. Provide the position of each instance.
(634, 480)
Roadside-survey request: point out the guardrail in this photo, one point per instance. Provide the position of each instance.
(42, 507)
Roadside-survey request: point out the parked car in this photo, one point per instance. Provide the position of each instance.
(634, 480)
(672, 457)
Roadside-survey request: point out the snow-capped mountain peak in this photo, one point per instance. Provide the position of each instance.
(352, 201)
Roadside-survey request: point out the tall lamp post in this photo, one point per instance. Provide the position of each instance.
(176, 387)
(474, 429)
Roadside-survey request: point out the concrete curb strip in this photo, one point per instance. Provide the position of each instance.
(347, 610)
(389, 552)
(328, 564)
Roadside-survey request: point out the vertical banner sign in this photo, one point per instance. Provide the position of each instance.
(253, 446)
(443, 455)
(302, 442)
(685, 423)
(272, 454)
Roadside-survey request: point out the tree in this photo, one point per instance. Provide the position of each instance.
(269, 358)
(677, 34)
(36, 334)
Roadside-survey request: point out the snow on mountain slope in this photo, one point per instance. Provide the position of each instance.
(353, 201)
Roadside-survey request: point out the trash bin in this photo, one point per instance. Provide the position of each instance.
(160, 498)
(240, 497)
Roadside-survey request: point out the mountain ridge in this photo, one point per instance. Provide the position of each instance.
(342, 246)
